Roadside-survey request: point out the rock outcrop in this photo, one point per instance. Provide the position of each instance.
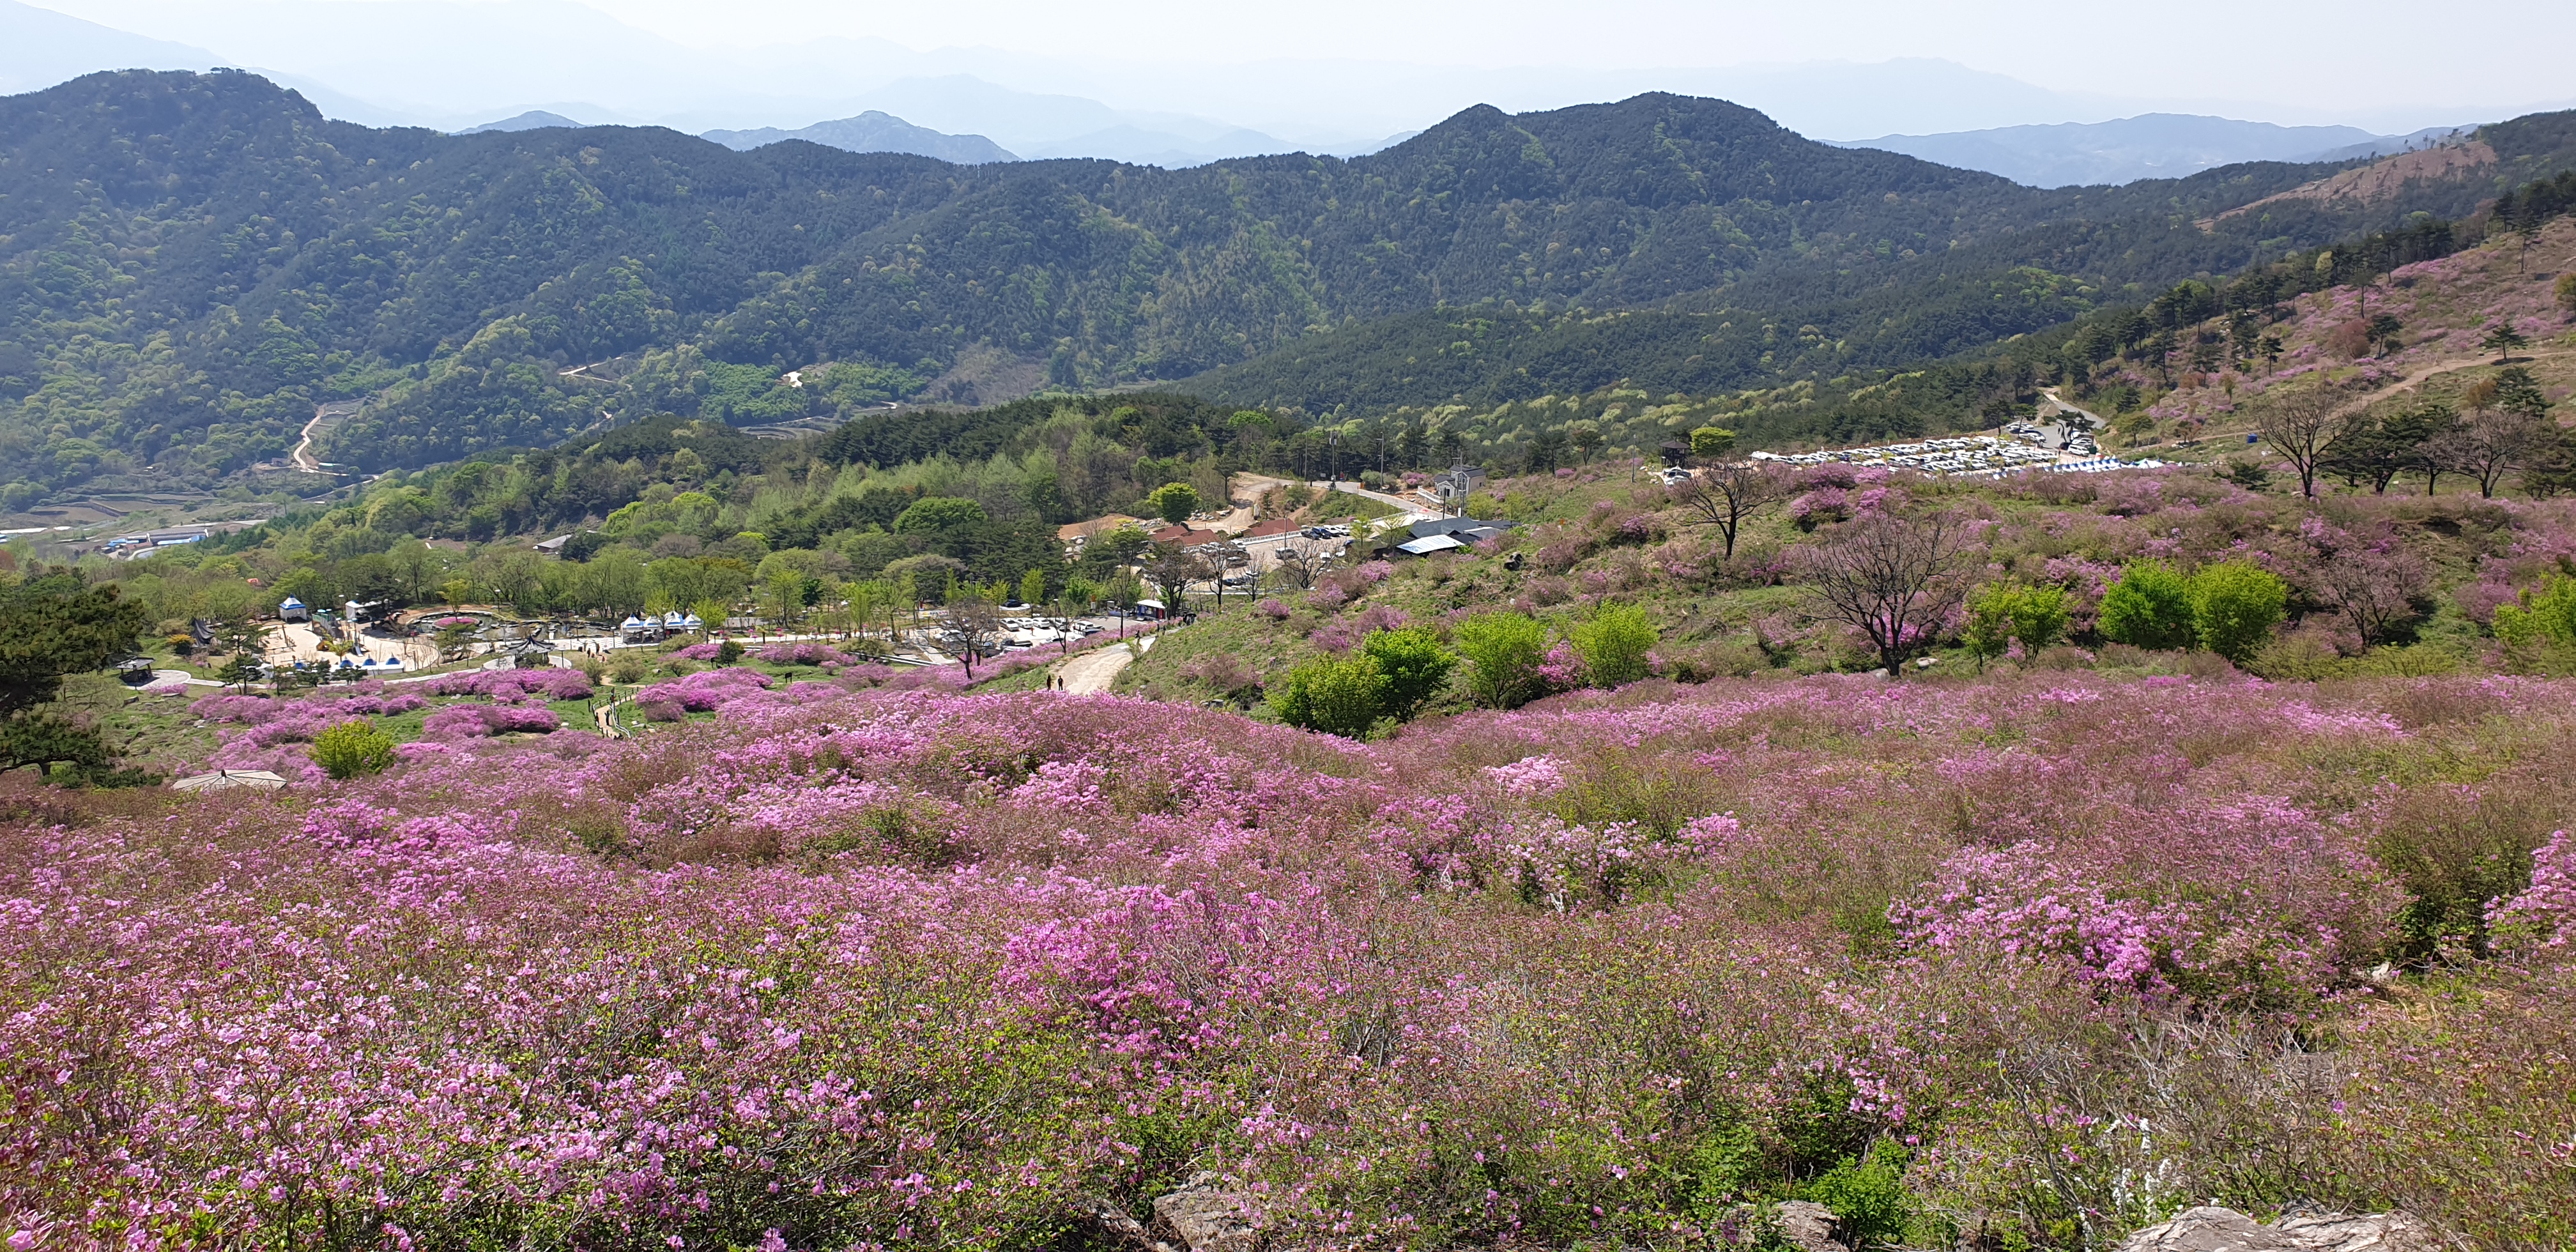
(1201, 1217)
(2226, 1230)
(1810, 1227)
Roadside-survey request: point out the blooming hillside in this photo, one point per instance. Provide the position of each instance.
(2428, 347)
(2049, 954)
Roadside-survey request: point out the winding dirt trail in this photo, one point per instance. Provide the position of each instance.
(302, 457)
(1092, 672)
(2415, 377)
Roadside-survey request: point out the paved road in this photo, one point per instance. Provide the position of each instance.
(1414, 510)
(1093, 671)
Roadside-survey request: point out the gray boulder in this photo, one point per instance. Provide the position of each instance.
(2368, 1232)
(1202, 1217)
(1810, 1227)
(2210, 1229)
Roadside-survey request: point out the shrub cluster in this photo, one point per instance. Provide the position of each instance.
(836, 967)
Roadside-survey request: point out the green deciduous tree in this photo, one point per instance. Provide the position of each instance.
(1415, 666)
(1338, 697)
(1615, 644)
(2545, 616)
(1174, 502)
(2000, 613)
(2150, 607)
(2234, 607)
(1503, 652)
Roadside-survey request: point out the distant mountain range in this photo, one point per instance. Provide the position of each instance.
(448, 284)
(1039, 125)
(2151, 145)
(874, 131)
(453, 64)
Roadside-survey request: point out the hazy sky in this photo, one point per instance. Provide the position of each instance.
(2303, 55)
(1329, 71)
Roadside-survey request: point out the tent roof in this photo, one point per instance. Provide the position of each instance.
(1429, 544)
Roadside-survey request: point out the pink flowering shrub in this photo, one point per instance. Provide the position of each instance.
(275, 730)
(1822, 505)
(1379, 617)
(1531, 775)
(2545, 913)
(298, 716)
(707, 689)
(547, 683)
(1563, 668)
(806, 653)
(1275, 609)
(462, 721)
(847, 965)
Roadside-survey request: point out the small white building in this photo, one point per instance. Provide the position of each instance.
(291, 609)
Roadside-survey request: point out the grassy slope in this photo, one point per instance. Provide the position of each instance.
(1740, 618)
(2445, 306)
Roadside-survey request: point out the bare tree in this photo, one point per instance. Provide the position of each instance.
(1890, 577)
(2491, 445)
(970, 626)
(1299, 561)
(1172, 570)
(2299, 425)
(1724, 495)
(1223, 555)
(2374, 590)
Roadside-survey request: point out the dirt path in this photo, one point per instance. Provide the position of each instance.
(302, 457)
(1093, 671)
(2415, 377)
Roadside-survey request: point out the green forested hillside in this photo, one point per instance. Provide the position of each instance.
(190, 264)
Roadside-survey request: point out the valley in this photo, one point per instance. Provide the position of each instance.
(1598, 677)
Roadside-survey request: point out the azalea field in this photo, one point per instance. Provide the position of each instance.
(2034, 959)
(2029, 947)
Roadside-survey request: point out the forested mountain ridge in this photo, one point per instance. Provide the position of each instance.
(190, 263)
(1787, 323)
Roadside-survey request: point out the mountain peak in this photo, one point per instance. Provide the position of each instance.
(533, 119)
(873, 131)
